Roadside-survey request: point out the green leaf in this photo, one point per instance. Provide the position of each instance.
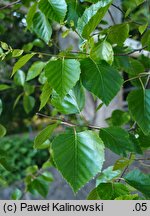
(65, 33)
(31, 170)
(47, 164)
(17, 100)
(3, 153)
(118, 118)
(117, 140)
(17, 53)
(72, 103)
(136, 145)
(28, 47)
(19, 78)
(42, 27)
(93, 195)
(16, 195)
(39, 185)
(92, 17)
(117, 34)
(79, 157)
(31, 14)
(62, 75)
(45, 145)
(122, 63)
(101, 79)
(144, 140)
(134, 70)
(21, 62)
(2, 16)
(107, 175)
(108, 191)
(4, 87)
(42, 78)
(47, 176)
(146, 40)
(74, 11)
(38, 43)
(29, 89)
(54, 9)
(28, 103)
(1, 106)
(121, 163)
(102, 51)
(139, 106)
(44, 135)
(99, 106)
(128, 197)
(35, 70)
(140, 181)
(3, 182)
(45, 95)
(4, 45)
(2, 130)
(142, 28)
(6, 164)
(138, 2)
(92, 1)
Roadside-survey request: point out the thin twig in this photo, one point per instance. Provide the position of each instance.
(10, 5)
(79, 35)
(69, 124)
(125, 169)
(38, 173)
(142, 85)
(147, 81)
(144, 164)
(59, 56)
(133, 128)
(111, 16)
(6, 81)
(142, 159)
(123, 12)
(137, 77)
(44, 54)
(78, 52)
(131, 52)
(118, 8)
(119, 179)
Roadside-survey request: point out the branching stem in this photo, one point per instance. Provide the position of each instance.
(69, 124)
(10, 5)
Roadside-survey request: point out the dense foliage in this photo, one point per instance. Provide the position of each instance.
(55, 81)
(20, 147)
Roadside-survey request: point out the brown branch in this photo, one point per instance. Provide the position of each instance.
(38, 173)
(67, 123)
(59, 56)
(131, 52)
(118, 8)
(144, 164)
(125, 169)
(10, 5)
(5, 81)
(138, 77)
(133, 128)
(78, 52)
(111, 16)
(142, 159)
(123, 12)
